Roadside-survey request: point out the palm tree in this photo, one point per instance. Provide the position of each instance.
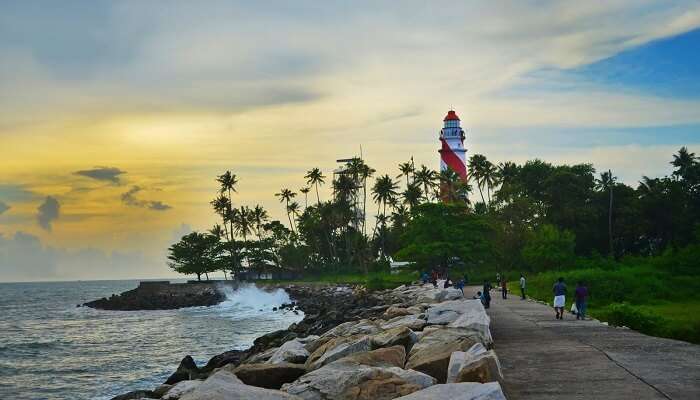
(425, 177)
(222, 205)
(285, 196)
(683, 161)
(259, 217)
(607, 183)
(305, 191)
(449, 182)
(489, 177)
(293, 209)
(384, 191)
(382, 219)
(228, 182)
(315, 177)
(406, 169)
(412, 195)
(477, 165)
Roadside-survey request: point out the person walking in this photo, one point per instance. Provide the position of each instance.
(504, 288)
(487, 294)
(580, 296)
(559, 290)
(522, 287)
(460, 285)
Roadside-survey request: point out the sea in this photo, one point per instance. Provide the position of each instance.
(51, 349)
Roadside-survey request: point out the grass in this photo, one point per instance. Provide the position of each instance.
(641, 297)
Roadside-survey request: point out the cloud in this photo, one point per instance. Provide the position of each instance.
(23, 257)
(129, 198)
(16, 192)
(109, 174)
(48, 212)
(3, 207)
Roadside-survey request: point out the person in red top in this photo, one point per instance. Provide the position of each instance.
(581, 296)
(504, 288)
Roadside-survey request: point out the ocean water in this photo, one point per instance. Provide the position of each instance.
(50, 349)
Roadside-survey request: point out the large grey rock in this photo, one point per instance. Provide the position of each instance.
(261, 357)
(413, 322)
(363, 326)
(338, 348)
(451, 310)
(393, 312)
(270, 376)
(293, 351)
(431, 354)
(224, 385)
(475, 365)
(400, 335)
(459, 391)
(374, 375)
(180, 389)
(475, 320)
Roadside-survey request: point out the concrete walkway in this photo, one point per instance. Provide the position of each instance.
(544, 358)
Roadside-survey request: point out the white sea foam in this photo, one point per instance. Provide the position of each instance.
(248, 300)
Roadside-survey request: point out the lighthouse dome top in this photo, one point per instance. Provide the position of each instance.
(451, 116)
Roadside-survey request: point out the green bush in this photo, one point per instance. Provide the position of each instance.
(625, 314)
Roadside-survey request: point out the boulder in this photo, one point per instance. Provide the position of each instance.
(459, 391)
(270, 376)
(400, 335)
(261, 357)
(187, 370)
(363, 376)
(475, 320)
(234, 357)
(292, 351)
(393, 312)
(180, 389)
(431, 354)
(448, 311)
(224, 385)
(338, 348)
(363, 326)
(134, 395)
(475, 365)
(413, 322)
(441, 317)
(394, 356)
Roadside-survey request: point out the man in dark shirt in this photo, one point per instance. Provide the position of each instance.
(581, 295)
(559, 290)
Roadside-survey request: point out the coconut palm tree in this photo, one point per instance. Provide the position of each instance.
(427, 178)
(293, 209)
(683, 161)
(384, 192)
(606, 182)
(380, 227)
(412, 195)
(222, 205)
(406, 169)
(316, 178)
(489, 177)
(286, 196)
(477, 165)
(259, 217)
(449, 182)
(305, 191)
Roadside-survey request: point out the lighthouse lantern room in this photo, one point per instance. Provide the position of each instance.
(452, 153)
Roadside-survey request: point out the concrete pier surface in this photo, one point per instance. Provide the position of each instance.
(544, 358)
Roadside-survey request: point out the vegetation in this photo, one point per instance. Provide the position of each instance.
(627, 242)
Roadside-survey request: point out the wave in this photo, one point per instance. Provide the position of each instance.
(250, 298)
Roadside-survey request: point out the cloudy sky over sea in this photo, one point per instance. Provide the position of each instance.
(115, 117)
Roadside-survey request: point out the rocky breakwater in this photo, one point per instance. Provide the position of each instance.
(161, 295)
(416, 343)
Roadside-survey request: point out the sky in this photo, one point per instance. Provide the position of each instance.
(116, 117)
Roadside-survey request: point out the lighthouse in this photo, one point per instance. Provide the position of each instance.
(453, 155)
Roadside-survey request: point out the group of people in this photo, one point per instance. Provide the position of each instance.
(580, 303)
(559, 289)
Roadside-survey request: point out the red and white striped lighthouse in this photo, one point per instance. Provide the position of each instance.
(453, 155)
